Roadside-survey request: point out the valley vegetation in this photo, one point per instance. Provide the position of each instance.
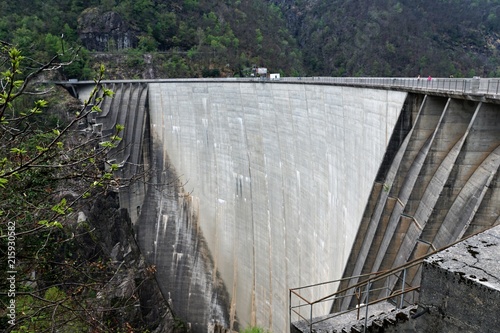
(69, 260)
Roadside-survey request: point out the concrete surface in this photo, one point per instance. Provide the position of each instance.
(442, 184)
(251, 188)
(380, 317)
(461, 287)
(277, 177)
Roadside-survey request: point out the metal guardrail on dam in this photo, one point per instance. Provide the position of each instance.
(476, 86)
(403, 295)
(398, 298)
(467, 86)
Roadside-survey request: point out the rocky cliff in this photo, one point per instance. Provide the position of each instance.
(133, 293)
(106, 31)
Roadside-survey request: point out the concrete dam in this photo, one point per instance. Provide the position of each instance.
(248, 188)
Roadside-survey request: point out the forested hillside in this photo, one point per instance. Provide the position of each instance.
(398, 38)
(195, 38)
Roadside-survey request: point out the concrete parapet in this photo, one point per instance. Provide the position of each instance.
(461, 287)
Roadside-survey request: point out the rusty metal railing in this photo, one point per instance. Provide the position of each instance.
(368, 281)
(361, 291)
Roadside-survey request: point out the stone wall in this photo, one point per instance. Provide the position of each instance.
(461, 287)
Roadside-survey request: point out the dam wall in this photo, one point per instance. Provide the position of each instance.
(242, 189)
(442, 187)
(261, 187)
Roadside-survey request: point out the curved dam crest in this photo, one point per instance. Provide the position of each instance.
(272, 182)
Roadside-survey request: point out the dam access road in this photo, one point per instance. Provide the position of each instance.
(252, 187)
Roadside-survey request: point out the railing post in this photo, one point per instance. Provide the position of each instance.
(290, 309)
(387, 291)
(403, 289)
(367, 302)
(311, 319)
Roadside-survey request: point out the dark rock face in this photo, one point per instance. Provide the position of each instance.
(171, 239)
(105, 31)
(134, 279)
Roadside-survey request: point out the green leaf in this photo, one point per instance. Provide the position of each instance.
(14, 53)
(108, 92)
(107, 144)
(18, 151)
(41, 103)
(60, 208)
(3, 181)
(107, 175)
(36, 110)
(57, 224)
(48, 224)
(43, 222)
(7, 74)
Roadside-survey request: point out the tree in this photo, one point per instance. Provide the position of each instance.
(50, 165)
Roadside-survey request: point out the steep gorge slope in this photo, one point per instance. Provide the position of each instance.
(195, 38)
(397, 38)
(326, 38)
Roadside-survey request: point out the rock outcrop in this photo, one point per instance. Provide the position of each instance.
(105, 31)
(133, 292)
